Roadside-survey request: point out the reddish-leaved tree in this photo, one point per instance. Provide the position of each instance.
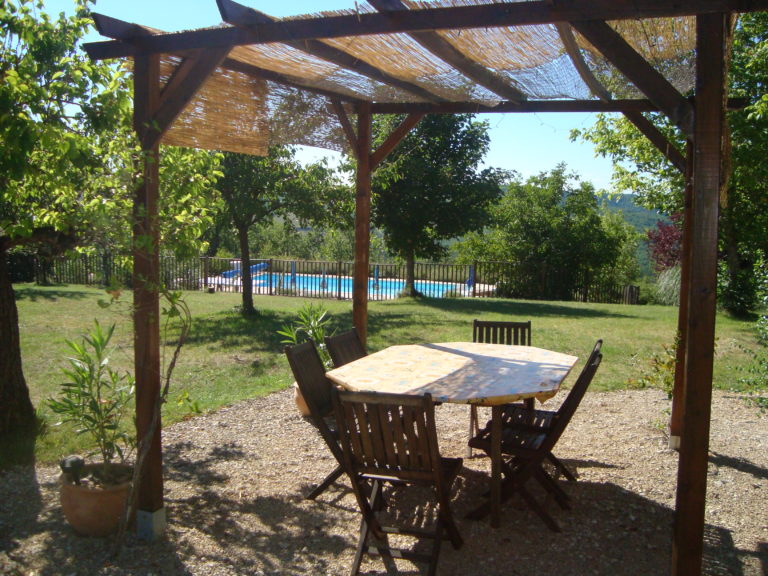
(664, 243)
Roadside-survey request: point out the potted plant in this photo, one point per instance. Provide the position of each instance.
(311, 324)
(95, 398)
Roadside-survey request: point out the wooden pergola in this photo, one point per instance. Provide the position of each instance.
(372, 61)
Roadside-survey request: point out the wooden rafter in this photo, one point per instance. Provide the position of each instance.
(346, 125)
(645, 126)
(182, 87)
(239, 15)
(458, 17)
(394, 139)
(650, 81)
(449, 54)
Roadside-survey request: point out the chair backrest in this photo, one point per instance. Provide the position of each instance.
(310, 376)
(388, 436)
(501, 332)
(345, 347)
(572, 401)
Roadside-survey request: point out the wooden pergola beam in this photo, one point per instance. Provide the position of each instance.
(651, 82)
(444, 50)
(529, 106)
(239, 15)
(458, 18)
(121, 30)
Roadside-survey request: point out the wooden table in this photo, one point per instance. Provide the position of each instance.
(463, 373)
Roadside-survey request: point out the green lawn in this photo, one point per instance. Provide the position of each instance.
(229, 357)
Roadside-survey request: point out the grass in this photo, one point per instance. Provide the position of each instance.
(229, 357)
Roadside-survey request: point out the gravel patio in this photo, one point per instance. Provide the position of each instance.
(235, 481)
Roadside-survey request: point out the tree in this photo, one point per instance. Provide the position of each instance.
(67, 166)
(664, 243)
(552, 231)
(54, 106)
(256, 189)
(430, 189)
(639, 167)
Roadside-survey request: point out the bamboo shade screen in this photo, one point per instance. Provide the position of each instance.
(246, 113)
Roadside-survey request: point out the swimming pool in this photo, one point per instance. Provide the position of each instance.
(333, 286)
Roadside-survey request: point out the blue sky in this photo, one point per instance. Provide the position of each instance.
(527, 143)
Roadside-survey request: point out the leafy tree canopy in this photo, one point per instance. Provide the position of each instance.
(431, 188)
(552, 230)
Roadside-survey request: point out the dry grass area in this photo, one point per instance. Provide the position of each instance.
(235, 480)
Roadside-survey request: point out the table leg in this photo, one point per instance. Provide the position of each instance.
(495, 465)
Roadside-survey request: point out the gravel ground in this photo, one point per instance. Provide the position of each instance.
(235, 479)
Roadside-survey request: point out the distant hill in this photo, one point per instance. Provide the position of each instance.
(641, 218)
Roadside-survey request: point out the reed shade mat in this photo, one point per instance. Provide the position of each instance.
(277, 93)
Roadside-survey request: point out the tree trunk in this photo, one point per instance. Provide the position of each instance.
(410, 273)
(16, 411)
(245, 269)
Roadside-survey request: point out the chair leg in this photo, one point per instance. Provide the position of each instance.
(323, 486)
(562, 467)
(536, 507)
(551, 486)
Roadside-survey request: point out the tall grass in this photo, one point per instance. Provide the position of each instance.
(229, 357)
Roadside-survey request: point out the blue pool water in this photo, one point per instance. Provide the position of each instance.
(335, 285)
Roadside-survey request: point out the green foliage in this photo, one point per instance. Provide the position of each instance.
(661, 373)
(311, 324)
(551, 227)
(757, 379)
(96, 397)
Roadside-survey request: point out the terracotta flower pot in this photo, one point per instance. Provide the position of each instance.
(93, 510)
(301, 404)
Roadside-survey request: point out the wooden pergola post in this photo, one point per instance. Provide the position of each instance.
(678, 391)
(362, 221)
(712, 31)
(150, 516)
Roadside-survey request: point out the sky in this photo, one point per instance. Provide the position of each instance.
(526, 143)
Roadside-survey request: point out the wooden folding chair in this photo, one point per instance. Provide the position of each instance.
(316, 389)
(392, 438)
(496, 332)
(345, 347)
(525, 418)
(528, 445)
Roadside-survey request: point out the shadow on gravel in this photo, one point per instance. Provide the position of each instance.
(740, 464)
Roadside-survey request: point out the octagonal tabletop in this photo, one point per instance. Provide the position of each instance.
(459, 372)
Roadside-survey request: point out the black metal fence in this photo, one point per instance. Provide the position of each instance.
(323, 279)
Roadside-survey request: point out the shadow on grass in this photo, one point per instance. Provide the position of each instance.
(48, 293)
(249, 333)
(517, 308)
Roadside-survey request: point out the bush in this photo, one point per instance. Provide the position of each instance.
(667, 288)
